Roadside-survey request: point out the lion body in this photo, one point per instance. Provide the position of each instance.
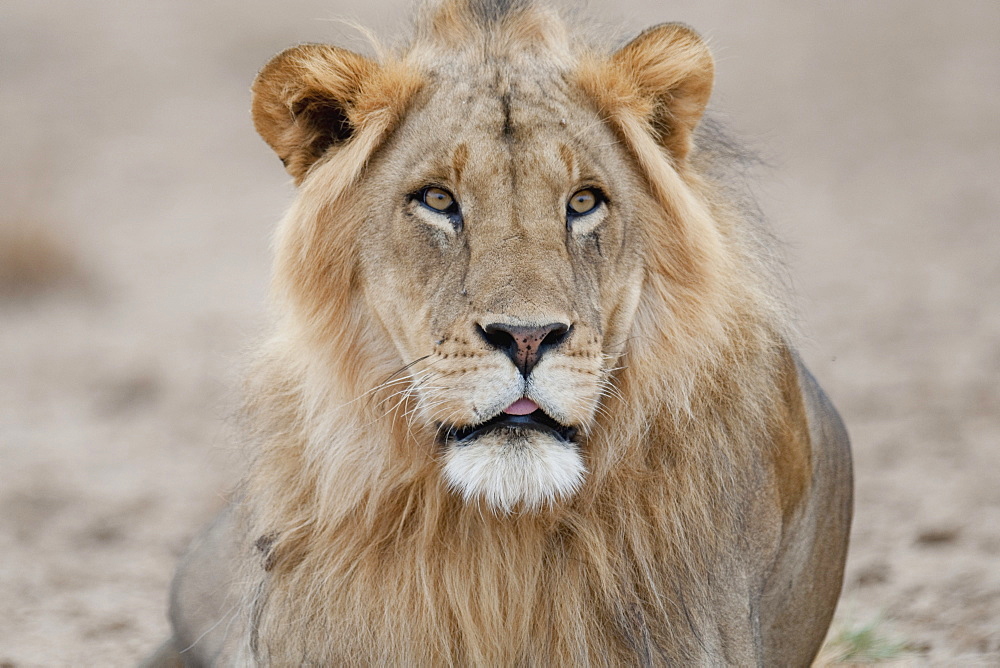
(693, 500)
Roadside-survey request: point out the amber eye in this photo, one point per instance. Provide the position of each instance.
(583, 202)
(438, 199)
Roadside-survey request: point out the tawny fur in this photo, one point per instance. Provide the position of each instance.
(694, 446)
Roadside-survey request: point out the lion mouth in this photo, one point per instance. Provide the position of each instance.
(535, 421)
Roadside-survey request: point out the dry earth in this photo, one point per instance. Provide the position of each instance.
(136, 205)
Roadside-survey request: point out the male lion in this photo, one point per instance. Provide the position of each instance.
(531, 400)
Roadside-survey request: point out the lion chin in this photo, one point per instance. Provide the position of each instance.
(514, 469)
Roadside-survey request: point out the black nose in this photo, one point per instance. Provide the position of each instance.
(524, 345)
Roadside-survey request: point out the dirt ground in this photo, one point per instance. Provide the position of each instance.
(136, 205)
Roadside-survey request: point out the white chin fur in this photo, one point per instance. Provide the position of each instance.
(514, 473)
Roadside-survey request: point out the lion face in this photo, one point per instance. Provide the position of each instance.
(500, 261)
(481, 208)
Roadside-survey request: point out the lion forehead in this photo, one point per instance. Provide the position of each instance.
(479, 131)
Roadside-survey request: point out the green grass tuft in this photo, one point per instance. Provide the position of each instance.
(867, 642)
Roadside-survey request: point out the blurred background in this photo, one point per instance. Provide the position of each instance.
(137, 204)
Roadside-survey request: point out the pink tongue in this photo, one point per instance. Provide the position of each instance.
(522, 406)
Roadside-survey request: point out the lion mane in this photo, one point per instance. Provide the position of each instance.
(707, 521)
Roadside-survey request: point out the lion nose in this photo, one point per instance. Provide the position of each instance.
(524, 345)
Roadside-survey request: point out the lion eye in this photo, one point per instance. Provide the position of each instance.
(438, 199)
(583, 202)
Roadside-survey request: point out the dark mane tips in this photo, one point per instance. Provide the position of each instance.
(494, 11)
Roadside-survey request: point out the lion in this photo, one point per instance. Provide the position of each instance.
(531, 397)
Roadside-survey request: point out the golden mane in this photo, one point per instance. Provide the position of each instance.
(345, 492)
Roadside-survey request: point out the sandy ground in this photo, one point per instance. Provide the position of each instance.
(136, 205)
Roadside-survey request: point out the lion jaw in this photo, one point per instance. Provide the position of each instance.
(525, 471)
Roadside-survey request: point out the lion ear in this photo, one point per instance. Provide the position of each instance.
(303, 102)
(672, 71)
